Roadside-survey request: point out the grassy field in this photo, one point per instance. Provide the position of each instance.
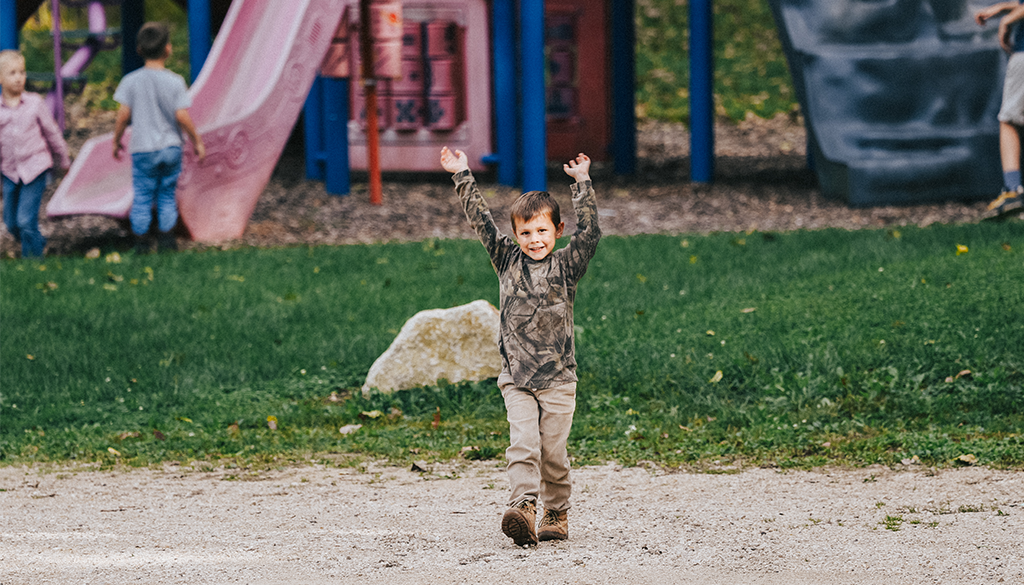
(750, 69)
(793, 349)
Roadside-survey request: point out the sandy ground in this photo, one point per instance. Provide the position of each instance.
(314, 525)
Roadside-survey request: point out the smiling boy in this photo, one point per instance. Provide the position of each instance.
(538, 374)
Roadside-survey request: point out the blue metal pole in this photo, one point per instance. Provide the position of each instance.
(198, 35)
(312, 120)
(505, 123)
(8, 24)
(623, 147)
(702, 110)
(335, 131)
(133, 15)
(531, 48)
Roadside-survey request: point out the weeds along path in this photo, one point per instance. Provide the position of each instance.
(314, 525)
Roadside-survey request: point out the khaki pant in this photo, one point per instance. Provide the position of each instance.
(539, 423)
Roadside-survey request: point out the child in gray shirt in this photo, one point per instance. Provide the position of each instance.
(538, 376)
(155, 101)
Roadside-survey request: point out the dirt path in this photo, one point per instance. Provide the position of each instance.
(314, 525)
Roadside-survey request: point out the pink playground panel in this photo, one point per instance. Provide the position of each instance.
(245, 103)
(442, 96)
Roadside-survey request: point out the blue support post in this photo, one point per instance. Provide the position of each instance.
(335, 132)
(8, 24)
(505, 111)
(325, 118)
(702, 106)
(623, 147)
(312, 119)
(534, 142)
(198, 35)
(133, 16)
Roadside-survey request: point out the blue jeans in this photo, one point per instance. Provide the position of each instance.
(155, 178)
(21, 213)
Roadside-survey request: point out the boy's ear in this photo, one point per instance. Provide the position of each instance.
(559, 229)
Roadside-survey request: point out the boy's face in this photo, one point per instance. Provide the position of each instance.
(537, 235)
(12, 76)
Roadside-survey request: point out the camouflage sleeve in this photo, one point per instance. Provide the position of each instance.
(479, 217)
(583, 243)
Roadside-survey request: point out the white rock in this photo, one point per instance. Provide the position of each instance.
(456, 344)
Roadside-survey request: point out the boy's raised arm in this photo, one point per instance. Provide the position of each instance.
(473, 204)
(583, 243)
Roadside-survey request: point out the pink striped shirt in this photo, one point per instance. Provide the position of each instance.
(29, 139)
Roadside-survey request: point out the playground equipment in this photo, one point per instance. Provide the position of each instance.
(245, 120)
(899, 97)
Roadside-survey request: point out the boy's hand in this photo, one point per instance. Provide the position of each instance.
(578, 168)
(200, 149)
(118, 147)
(454, 162)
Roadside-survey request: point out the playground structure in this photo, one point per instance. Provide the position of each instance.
(899, 97)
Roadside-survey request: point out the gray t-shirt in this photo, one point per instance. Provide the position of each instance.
(154, 95)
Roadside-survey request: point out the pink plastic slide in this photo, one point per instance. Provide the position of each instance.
(244, 103)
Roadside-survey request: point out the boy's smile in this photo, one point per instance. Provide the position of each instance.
(537, 235)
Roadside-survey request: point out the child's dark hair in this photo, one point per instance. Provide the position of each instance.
(534, 203)
(152, 40)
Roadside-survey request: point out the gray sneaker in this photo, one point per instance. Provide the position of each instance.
(519, 523)
(1007, 201)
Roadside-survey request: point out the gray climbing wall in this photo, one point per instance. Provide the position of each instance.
(899, 96)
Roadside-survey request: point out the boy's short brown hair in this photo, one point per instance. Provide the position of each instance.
(7, 55)
(152, 40)
(534, 203)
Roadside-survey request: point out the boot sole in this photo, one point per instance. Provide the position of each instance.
(551, 535)
(515, 526)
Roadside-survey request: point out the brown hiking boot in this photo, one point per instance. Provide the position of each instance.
(518, 523)
(554, 525)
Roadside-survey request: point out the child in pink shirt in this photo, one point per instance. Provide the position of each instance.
(29, 139)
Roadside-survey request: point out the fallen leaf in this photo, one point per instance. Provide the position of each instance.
(272, 422)
(371, 414)
(710, 333)
(233, 429)
(437, 418)
(826, 444)
(93, 254)
(349, 429)
(129, 435)
(158, 435)
(113, 258)
(915, 460)
(949, 379)
(748, 310)
(29, 356)
(687, 429)
(716, 378)
(962, 373)
(1007, 247)
(961, 249)
(966, 460)
(114, 452)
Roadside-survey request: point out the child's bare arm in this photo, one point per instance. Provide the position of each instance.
(1006, 27)
(454, 162)
(988, 12)
(185, 123)
(124, 115)
(578, 168)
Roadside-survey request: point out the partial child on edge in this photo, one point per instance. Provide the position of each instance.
(155, 101)
(536, 342)
(29, 141)
(1011, 112)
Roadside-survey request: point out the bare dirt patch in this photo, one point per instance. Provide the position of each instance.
(317, 525)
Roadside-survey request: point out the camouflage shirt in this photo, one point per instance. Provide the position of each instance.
(536, 332)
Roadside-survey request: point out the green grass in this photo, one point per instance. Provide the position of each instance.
(844, 359)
